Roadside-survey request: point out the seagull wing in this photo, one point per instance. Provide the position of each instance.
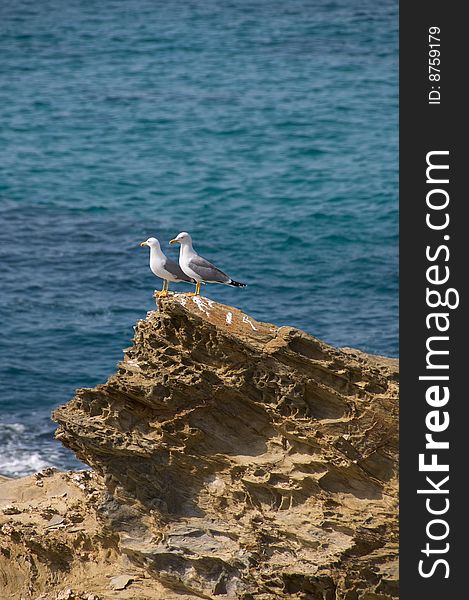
(173, 268)
(207, 271)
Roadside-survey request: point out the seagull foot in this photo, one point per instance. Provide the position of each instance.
(162, 294)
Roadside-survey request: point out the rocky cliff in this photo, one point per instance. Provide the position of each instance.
(237, 459)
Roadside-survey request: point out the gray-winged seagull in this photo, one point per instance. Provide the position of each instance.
(164, 267)
(198, 268)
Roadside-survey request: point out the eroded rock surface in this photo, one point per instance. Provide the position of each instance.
(53, 547)
(243, 460)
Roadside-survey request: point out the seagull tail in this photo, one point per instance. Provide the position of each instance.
(234, 283)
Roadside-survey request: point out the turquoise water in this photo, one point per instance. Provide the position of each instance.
(268, 130)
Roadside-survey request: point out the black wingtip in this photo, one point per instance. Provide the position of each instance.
(237, 283)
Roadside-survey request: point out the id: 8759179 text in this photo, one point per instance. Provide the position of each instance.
(434, 61)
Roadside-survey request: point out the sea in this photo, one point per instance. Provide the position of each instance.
(267, 129)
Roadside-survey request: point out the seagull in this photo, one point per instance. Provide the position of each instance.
(164, 267)
(198, 268)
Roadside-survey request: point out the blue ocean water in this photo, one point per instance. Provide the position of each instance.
(266, 129)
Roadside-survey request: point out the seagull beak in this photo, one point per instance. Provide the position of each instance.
(173, 241)
(143, 243)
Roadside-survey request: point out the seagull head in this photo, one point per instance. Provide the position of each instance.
(182, 238)
(151, 242)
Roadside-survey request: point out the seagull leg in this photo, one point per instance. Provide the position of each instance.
(197, 290)
(164, 289)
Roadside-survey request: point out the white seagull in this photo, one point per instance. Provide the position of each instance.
(164, 267)
(198, 268)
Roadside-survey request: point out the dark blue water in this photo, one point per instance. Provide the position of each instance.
(266, 129)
